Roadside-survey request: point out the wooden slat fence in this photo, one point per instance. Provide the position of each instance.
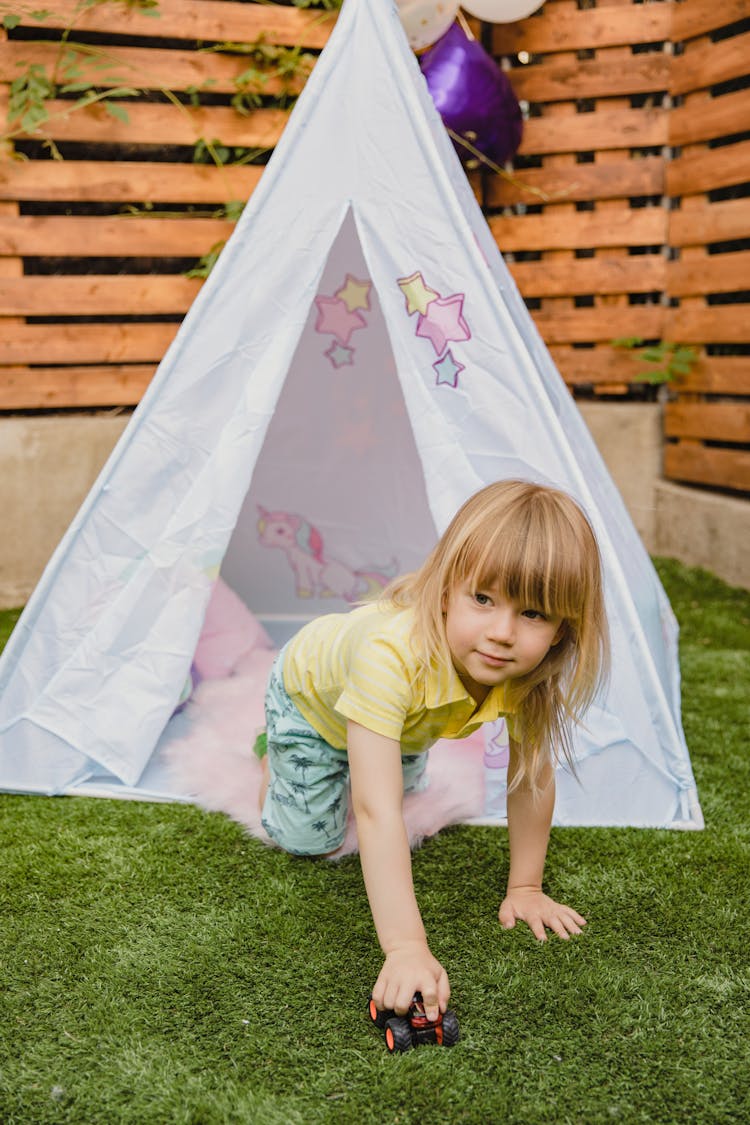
(707, 425)
(625, 215)
(639, 134)
(94, 246)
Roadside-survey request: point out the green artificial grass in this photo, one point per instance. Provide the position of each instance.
(160, 966)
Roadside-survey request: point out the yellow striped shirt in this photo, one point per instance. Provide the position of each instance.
(361, 666)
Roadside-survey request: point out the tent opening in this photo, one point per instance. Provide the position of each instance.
(337, 504)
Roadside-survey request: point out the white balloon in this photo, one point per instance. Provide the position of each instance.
(424, 21)
(501, 11)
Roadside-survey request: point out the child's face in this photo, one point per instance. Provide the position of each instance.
(493, 640)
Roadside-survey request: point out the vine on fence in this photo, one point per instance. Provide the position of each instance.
(32, 92)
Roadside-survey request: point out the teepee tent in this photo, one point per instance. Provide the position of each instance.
(358, 363)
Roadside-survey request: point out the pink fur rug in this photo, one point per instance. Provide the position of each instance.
(214, 762)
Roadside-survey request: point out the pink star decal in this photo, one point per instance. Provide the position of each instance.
(444, 321)
(335, 319)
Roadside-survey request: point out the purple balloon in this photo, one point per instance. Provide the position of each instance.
(473, 95)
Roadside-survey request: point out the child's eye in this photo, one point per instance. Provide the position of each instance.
(482, 599)
(534, 614)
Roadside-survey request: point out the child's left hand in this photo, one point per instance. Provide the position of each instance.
(530, 905)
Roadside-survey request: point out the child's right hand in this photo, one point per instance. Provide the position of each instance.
(407, 969)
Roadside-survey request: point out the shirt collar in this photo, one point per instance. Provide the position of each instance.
(443, 686)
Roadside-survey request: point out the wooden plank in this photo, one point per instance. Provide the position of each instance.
(164, 125)
(86, 343)
(102, 386)
(552, 80)
(701, 464)
(62, 181)
(599, 365)
(151, 295)
(627, 178)
(567, 30)
(719, 375)
(11, 267)
(75, 236)
(711, 273)
(708, 169)
(207, 20)
(643, 226)
(718, 117)
(708, 324)
(715, 222)
(573, 326)
(637, 274)
(710, 63)
(618, 58)
(560, 112)
(136, 343)
(692, 306)
(604, 129)
(708, 421)
(701, 16)
(48, 388)
(97, 296)
(146, 68)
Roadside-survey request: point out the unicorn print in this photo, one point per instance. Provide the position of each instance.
(315, 574)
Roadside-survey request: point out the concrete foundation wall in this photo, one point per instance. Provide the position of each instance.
(48, 464)
(629, 438)
(703, 529)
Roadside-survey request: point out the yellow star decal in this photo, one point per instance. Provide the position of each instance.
(355, 294)
(418, 295)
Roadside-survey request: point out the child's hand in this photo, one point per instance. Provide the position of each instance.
(538, 910)
(408, 969)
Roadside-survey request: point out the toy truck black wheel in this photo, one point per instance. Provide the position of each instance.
(397, 1035)
(450, 1029)
(378, 1018)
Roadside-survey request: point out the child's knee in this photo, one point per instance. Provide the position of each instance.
(304, 821)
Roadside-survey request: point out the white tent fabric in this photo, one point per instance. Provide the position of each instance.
(358, 363)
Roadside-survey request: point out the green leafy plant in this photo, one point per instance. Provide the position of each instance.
(13, 19)
(214, 152)
(266, 61)
(202, 268)
(29, 94)
(326, 5)
(31, 91)
(206, 262)
(667, 361)
(145, 7)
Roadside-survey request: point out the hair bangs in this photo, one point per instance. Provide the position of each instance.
(534, 556)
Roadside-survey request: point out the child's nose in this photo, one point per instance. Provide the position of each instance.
(502, 626)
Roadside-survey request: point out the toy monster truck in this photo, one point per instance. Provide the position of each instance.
(403, 1032)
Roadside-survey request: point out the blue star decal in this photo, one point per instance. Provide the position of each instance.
(447, 370)
(339, 355)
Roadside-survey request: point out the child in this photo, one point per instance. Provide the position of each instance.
(505, 617)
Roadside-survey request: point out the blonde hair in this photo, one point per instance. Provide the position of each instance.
(537, 546)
